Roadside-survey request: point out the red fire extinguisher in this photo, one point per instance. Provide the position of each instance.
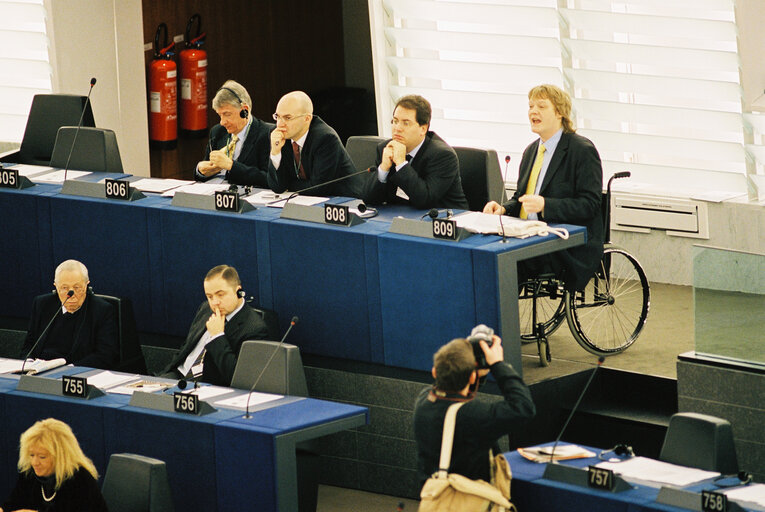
(193, 63)
(163, 93)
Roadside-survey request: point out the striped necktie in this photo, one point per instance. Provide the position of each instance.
(232, 146)
(534, 175)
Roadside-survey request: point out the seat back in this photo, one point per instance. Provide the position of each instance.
(271, 319)
(700, 441)
(363, 150)
(131, 357)
(95, 150)
(284, 376)
(134, 483)
(481, 176)
(47, 114)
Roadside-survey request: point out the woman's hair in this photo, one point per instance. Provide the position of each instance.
(58, 439)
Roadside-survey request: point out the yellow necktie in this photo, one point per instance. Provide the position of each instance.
(531, 187)
(232, 146)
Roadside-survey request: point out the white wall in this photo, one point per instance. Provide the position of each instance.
(104, 39)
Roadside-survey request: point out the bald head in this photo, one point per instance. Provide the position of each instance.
(294, 112)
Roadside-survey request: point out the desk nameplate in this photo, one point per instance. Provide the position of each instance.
(425, 229)
(10, 178)
(34, 384)
(317, 214)
(579, 477)
(163, 402)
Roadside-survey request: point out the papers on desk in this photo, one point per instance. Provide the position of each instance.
(9, 365)
(58, 176)
(146, 386)
(107, 379)
(654, 473)
(240, 402)
(750, 496)
(158, 186)
(203, 189)
(268, 198)
(32, 367)
(31, 170)
(562, 452)
(207, 392)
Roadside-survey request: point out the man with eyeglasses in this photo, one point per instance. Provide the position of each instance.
(238, 147)
(306, 151)
(416, 166)
(84, 328)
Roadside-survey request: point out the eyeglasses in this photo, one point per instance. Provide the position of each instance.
(405, 123)
(78, 289)
(286, 118)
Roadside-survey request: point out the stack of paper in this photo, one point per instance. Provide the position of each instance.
(645, 471)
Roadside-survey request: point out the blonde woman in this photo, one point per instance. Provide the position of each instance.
(54, 474)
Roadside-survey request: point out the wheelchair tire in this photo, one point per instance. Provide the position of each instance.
(550, 312)
(608, 315)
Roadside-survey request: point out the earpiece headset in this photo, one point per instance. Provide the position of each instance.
(742, 478)
(242, 113)
(240, 293)
(621, 451)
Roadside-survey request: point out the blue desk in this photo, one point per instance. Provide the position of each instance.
(221, 461)
(361, 293)
(531, 491)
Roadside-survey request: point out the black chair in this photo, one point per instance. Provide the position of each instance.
(48, 113)
(481, 176)
(131, 357)
(363, 150)
(271, 320)
(134, 483)
(95, 150)
(700, 441)
(285, 375)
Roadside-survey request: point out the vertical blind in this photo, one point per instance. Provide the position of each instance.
(655, 84)
(24, 63)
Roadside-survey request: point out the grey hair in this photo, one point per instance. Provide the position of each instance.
(71, 266)
(226, 97)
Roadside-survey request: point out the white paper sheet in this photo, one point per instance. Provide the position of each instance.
(146, 386)
(240, 402)
(749, 496)
(9, 365)
(207, 392)
(267, 198)
(203, 189)
(58, 176)
(107, 379)
(30, 170)
(642, 470)
(157, 185)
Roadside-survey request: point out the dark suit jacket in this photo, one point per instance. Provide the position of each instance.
(431, 179)
(573, 190)
(96, 342)
(251, 168)
(323, 157)
(222, 353)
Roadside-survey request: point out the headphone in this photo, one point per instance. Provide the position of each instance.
(621, 451)
(240, 293)
(743, 478)
(242, 113)
(433, 213)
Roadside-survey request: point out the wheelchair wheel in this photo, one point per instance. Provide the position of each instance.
(550, 311)
(608, 315)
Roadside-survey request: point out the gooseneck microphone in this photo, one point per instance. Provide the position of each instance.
(601, 359)
(300, 192)
(69, 295)
(79, 125)
(292, 324)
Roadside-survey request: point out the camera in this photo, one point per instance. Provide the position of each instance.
(481, 332)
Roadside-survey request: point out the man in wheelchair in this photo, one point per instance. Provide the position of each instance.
(560, 180)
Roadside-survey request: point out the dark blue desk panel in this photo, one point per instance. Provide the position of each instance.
(269, 437)
(327, 275)
(25, 236)
(8, 458)
(186, 443)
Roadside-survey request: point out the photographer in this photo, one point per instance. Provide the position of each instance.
(479, 423)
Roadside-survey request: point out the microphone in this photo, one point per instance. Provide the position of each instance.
(361, 207)
(434, 212)
(79, 125)
(292, 324)
(69, 295)
(576, 405)
(300, 192)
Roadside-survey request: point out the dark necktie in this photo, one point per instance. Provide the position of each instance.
(298, 163)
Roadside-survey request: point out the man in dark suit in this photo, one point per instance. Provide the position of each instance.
(306, 152)
(84, 328)
(238, 147)
(416, 166)
(560, 180)
(221, 325)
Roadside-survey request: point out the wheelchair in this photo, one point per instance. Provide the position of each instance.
(605, 318)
